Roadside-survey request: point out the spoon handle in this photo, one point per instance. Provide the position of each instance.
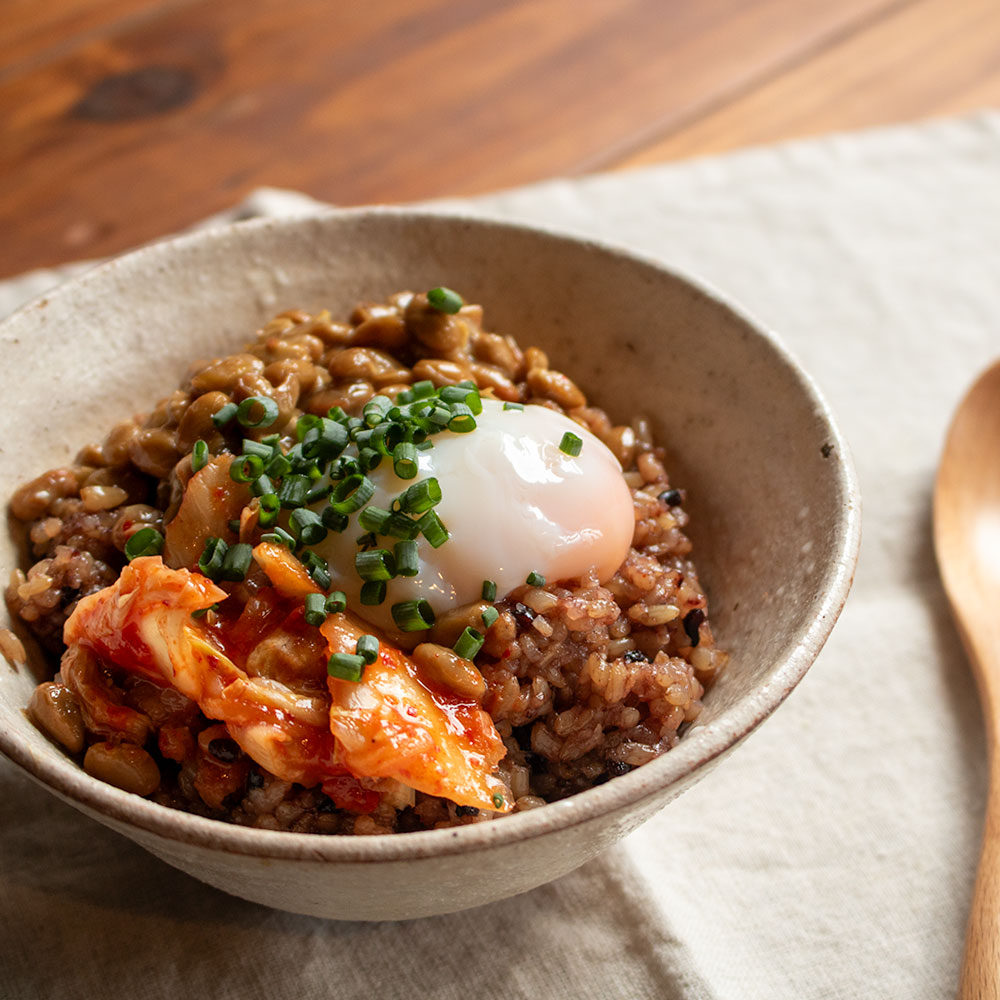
(980, 976)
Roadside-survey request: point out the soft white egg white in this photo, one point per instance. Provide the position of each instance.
(513, 504)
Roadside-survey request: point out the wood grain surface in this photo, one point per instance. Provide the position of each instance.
(122, 120)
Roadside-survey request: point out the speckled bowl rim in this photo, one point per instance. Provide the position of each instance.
(698, 748)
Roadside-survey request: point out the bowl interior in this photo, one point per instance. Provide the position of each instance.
(770, 488)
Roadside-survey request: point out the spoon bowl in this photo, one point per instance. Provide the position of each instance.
(967, 545)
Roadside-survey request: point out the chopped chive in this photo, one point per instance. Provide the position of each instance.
(513, 406)
(400, 526)
(420, 496)
(318, 493)
(374, 411)
(469, 643)
(445, 300)
(278, 466)
(336, 603)
(369, 458)
(571, 444)
(305, 424)
(490, 615)
(337, 413)
(404, 460)
(269, 507)
(280, 537)
(315, 609)
(333, 520)
(375, 564)
(367, 648)
(212, 557)
(234, 525)
(326, 440)
(433, 530)
(145, 542)
(199, 455)
(462, 421)
(201, 612)
(261, 486)
(407, 557)
(293, 491)
(535, 579)
(224, 415)
(489, 590)
(246, 468)
(374, 518)
(320, 572)
(372, 592)
(236, 562)
(346, 666)
(352, 493)
(367, 540)
(307, 526)
(412, 616)
(498, 800)
(257, 411)
(422, 389)
(258, 448)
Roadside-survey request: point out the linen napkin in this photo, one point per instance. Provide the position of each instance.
(833, 855)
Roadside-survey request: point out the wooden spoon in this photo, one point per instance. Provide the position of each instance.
(967, 544)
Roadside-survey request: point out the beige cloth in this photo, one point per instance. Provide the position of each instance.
(833, 855)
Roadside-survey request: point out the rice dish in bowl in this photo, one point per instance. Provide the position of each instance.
(750, 444)
(223, 580)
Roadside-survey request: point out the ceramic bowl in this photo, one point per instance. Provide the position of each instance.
(771, 490)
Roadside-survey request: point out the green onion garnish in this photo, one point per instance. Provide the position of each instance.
(145, 542)
(315, 609)
(269, 507)
(433, 530)
(373, 518)
(263, 451)
(535, 579)
(280, 537)
(513, 406)
(469, 643)
(201, 612)
(307, 526)
(571, 443)
(412, 616)
(278, 466)
(445, 300)
(420, 496)
(199, 455)
(462, 421)
(246, 468)
(404, 460)
(333, 520)
(498, 800)
(490, 615)
(257, 411)
(372, 592)
(261, 486)
(337, 413)
(422, 389)
(293, 491)
(236, 562)
(223, 416)
(407, 559)
(352, 493)
(367, 648)
(234, 525)
(375, 564)
(489, 590)
(346, 666)
(400, 526)
(336, 603)
(326, 440)
(212, 557)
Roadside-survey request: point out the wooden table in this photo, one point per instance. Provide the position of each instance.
(122, 120)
